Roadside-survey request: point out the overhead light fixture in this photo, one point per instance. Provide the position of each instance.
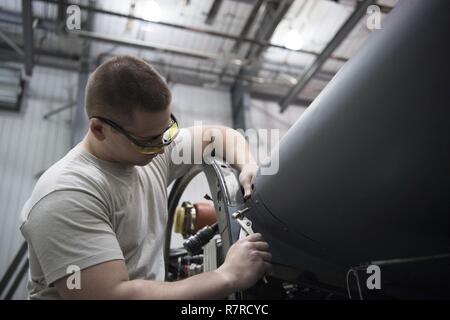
(293, 40)
(237, 62)
(289, 78)
(149, 10)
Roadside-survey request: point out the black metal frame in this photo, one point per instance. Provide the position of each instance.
(27, 20)
(11, 281)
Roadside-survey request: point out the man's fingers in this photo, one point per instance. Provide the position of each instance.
(246, 178)
(268, 268)
(260, 245)
(255, 237)
(266, 256)
(247, 185)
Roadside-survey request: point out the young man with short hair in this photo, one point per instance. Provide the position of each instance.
(102, 208)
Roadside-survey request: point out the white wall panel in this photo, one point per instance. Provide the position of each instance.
(28, 145)
(266, 115)
(192, 104)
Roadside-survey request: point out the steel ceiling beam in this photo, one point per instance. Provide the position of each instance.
(12, 17)
(301, 102)
(248, 24)
(179, 73)
(190, 29)
(144, 45)
(50, 26)
(315, 66)
(383, 8)
(27, 21)
(46, 57)
(212, 13)
(273, 15)
(62, 14)
(11, 44)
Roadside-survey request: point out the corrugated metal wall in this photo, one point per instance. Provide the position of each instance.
(28, 145)
(266, 115)
(193, 104)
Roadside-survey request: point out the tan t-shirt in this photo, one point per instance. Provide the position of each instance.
(84, 211)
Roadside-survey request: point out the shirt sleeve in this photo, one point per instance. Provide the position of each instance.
(180, 156)
(70, 228)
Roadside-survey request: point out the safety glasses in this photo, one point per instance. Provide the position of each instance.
(152, 146)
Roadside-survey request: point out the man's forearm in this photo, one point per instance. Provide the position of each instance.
(229, 145)
(233, 147)
(226, 142)
(241, 153)
(208, 285)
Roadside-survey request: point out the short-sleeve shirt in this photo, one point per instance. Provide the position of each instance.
(84, 211)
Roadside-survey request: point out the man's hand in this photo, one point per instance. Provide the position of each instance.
(247, 261)
(246, 178)
(223, 138)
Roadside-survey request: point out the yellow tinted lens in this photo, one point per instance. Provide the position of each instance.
(170, 133)
(148, 150)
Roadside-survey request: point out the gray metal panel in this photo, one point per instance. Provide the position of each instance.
(240, 101)
(191, 104)
(364, 174)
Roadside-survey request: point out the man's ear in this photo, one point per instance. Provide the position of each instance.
(97, 128)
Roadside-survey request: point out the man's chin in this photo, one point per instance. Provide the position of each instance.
(145, 161)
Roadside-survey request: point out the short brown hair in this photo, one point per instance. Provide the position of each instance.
(124, 84)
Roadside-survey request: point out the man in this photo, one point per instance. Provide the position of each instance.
(102, 209)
